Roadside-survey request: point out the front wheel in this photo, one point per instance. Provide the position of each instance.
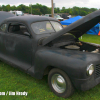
(60, 83)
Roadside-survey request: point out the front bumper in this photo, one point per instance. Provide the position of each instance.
(86, 84)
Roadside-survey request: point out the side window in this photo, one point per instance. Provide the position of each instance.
(3, 27)
(18, 29)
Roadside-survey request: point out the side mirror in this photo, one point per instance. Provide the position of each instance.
(27, 34)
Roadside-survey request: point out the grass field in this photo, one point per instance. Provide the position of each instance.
(12, 79)
(91, 38)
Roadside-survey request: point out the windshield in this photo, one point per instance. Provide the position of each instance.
(46, 27)
(56, 26)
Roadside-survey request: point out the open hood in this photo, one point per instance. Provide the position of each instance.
(77, 28)
(4, 15)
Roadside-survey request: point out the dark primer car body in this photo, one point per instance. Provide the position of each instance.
(39, 45)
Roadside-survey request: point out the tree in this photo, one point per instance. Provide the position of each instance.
(75, 10)
(0, 8)
(21, 7)
(39, 9)
(83, 13)
(7, 7)
(3, 7)
(57, 10)
(63, 10)
(13, 8)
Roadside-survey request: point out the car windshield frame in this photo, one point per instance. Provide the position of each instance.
(45, 27)
(57, 28)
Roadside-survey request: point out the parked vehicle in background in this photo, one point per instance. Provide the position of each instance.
(58, 17)
(65, 15)
(17, 13)
(4, 15)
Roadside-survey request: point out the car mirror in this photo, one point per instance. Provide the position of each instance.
(27, 34)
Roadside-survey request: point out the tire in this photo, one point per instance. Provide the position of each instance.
(60, 83)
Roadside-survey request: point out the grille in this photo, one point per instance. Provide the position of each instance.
(97, 71)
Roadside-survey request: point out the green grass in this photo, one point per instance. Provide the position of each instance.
(12, 79)
(91, 38)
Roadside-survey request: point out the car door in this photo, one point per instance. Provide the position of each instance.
(18, 46)
(3, 29)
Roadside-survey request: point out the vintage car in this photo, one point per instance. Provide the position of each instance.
(40, 46)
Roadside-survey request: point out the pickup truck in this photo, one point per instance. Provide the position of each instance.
(40, 46)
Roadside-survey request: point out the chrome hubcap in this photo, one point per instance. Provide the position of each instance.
(58, 83)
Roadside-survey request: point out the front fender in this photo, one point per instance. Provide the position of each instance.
(74, 63)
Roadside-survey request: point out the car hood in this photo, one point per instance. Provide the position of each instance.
(77, 28)
(4, 15)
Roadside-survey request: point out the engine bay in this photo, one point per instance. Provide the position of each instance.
(84, 47)
(68, 41)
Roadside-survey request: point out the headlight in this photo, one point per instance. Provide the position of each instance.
(90, 69)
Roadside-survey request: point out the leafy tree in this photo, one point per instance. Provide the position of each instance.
(7, 7)
(39, 9)
(93, 9)
(63, 10)
(21, 7)
(0, 8)
(13, 8)
(57, 10)
(83, 13)
(3, 7)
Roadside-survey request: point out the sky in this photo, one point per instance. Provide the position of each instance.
(58, 3)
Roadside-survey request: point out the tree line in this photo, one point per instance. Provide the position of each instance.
(39, 9)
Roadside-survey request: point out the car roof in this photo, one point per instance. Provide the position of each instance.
(30, 19)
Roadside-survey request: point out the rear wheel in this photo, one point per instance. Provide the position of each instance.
(60, 83)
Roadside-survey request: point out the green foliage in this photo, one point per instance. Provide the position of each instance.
(21, 8)
(63, 10)
(13, 8)
(57, 10)
(39, 9)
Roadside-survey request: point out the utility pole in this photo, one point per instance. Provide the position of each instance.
(31, 8)
(52, 11)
